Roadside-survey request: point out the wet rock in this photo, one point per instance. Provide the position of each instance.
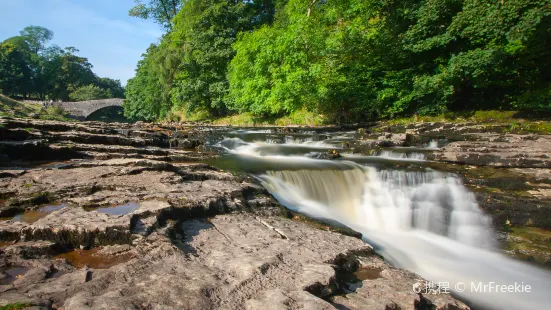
(11, 173)
(128, 162)
(205, 234)
(329, 155)
(32, 276)
(185, 142)
(23, 149)
(37, 140)
(114, 249)
(144, 226)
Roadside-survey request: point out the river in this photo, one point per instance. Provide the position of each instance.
(416, 217)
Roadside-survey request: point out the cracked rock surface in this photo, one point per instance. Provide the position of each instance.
(124, 221)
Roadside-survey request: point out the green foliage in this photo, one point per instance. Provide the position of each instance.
(351, 60)
(36, 37)
(30, 68)
(206, 30)
(299, 117)
(113, 86)
(15, 75)
(54, 113)
(89, 92)
(10, 107)
(15, 306)
(187, 70)
(161, 11)
(148, 93)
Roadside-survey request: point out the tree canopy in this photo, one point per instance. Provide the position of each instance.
(29, 67)
(161, 11)
(89, 92)
(352, 60)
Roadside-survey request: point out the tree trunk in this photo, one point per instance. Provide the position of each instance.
(310, 7)
(167, 14)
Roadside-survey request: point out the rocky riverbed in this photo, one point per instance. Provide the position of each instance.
(132, 216)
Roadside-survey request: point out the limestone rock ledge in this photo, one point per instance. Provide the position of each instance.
(232, 261)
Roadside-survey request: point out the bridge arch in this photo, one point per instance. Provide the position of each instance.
(83, 109)
(108, 114)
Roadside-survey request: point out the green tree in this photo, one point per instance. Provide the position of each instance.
(15, 75)
(205, 31)
(300, 61)
(379, 59)
(187, 71)
(30, 60)
(349, 59)
(36, 37)
(161, 11)
(32, 68)
(148, 93)
(89, 92)
(63, 72)
(113, 86)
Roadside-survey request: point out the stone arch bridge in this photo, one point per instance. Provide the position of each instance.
(83, 109)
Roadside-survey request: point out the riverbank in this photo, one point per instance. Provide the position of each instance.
(512, 121)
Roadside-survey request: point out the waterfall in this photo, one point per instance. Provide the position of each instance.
(389, 200)
(424, 221)
(402, 155)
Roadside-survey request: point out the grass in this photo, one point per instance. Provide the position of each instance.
(54, 114)
(15, 306)
(512, 121)
(301, 118)
(515, 121)
(530, 243)
(14, 108)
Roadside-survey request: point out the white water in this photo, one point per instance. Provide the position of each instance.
(386, 201)
(426, 222)
(433, 144)
(402, 155)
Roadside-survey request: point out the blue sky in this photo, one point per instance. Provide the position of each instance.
(112, 41)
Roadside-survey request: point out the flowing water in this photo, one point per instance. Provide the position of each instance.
(417, 218)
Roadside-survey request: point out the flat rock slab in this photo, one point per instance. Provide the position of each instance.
(526, 151)
(74, 226)
(192, 188)
(77, 227)
(234, 261)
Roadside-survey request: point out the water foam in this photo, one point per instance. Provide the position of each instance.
(427, 222)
